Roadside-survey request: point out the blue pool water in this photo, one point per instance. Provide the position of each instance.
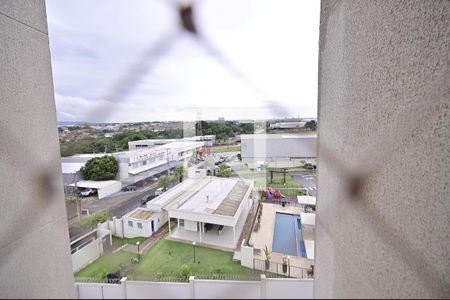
(287, 236)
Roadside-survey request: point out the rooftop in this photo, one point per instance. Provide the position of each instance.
(211, 195)
(94, 184)
(278, 136)
(141, 214)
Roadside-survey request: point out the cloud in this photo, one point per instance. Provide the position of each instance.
(94, 43)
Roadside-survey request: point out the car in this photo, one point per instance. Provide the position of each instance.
(87, 192)
(147, 198)
(159, 191)
(309, 166)
(129, 188)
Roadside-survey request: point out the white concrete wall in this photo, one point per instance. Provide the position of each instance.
(246, 256)
(158, 290)
(131, 232)
(200, 289)
(87, 254)
(109, 190)
(99, 291)
(384, 90)
(219, 289)
(289, 288)
(273, 147)
(115, 226)
(35, 259)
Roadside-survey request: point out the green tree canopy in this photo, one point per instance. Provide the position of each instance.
(223, 171)
(101, 168)
(165, 181)
(179, 173)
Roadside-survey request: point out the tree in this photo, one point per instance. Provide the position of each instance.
(223, 171)
(101, 168)
(179, 173)
(312, 125)
(165, 181)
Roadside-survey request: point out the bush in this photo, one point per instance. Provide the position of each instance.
(101, 217)
(185, 271)
(101, 168)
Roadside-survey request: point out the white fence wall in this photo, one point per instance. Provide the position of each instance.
(217, 289)
(87, 254)
(270, 288)
(289, 288)
(99, 291)
(158, 290)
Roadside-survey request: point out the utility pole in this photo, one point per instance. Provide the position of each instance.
(168, 165)
(77, 198)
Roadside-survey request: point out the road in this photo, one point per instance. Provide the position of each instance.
(306, 179)
(132, 203)
(119, 203)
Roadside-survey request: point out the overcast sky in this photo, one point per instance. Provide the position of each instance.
(94, 43)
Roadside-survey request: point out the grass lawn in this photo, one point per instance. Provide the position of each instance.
(278, 181)
(157, 262)
(226, 149)
(105, 264)
(117, 241)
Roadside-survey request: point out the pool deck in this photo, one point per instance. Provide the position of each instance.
(264, 236)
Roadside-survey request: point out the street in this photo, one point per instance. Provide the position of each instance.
(307, 179)
(120, 203)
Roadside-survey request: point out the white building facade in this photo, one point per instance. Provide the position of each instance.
(137, 165)
(277, 150)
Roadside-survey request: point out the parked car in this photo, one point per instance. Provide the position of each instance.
(87, 192)
(159, 191)
(129, 188)
(309, 166)
(147, 198)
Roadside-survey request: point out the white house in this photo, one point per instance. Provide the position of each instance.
(209, 210)
(142, 222)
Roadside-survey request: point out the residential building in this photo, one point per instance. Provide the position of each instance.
(277, 150)
(209, 210)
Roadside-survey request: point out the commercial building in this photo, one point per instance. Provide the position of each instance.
(287, 125)
(277, 150)
(208, 141)
(138, 165)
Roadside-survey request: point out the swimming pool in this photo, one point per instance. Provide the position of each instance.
(287, 235)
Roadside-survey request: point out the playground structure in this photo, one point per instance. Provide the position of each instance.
(270, 192)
